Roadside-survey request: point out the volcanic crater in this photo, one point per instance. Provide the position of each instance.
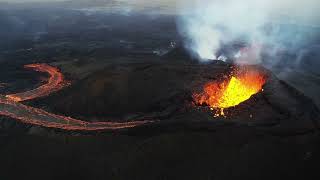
(164, 92)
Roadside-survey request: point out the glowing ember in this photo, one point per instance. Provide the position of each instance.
(232, 92)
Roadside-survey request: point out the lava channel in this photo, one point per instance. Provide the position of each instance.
(11, 106)
(55, 83)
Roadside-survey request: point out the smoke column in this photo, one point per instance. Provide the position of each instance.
(206, 25)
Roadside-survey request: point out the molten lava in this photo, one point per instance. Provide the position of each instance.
(239, 88)
(11, 106)
(55, 82)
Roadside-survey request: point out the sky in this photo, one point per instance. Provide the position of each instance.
(138, 1)
(302, 8)
(28, 0)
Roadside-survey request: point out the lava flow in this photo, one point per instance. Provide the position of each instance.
(10, 106)
(55, 82)
(229, 93)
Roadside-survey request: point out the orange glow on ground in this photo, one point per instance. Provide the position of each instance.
(55, 82)
(11, 106)
(229, 93)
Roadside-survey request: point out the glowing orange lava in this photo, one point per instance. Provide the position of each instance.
(55, 82)
(239, 88)
(10, 106)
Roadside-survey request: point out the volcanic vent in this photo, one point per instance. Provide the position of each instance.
(241, 84)
(172, 92)
(189, 92)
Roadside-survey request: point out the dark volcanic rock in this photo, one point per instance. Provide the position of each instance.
(179, 53)
(273, 135)
(231, 152)
(121, 90)
(163, 91)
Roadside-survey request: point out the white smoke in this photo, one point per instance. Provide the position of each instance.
(206, 25)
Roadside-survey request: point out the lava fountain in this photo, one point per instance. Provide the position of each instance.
(239, 87)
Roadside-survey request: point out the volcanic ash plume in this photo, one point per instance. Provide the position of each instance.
(206, 25)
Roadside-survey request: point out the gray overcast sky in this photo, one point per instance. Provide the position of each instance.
(301, 8)
(145, 1)
(27, 0)
(137, 2)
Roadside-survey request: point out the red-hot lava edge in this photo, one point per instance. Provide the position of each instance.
(10, 106)
(55, 82)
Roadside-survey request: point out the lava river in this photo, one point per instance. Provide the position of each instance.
(11, 106)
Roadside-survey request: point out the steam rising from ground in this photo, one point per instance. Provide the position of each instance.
(207, 25)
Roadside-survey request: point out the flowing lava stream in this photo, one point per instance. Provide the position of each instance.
(55, 83)
(10, 106)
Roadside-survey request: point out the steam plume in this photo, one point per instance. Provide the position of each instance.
(206, 25)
